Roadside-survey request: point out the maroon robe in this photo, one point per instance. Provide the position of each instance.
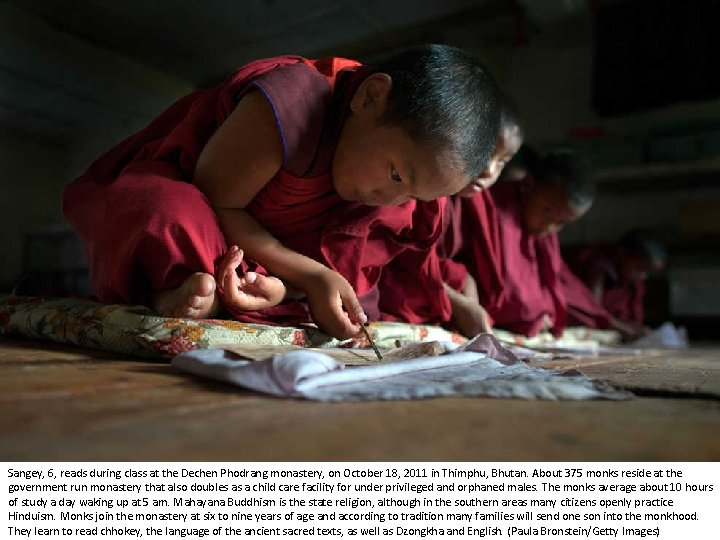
(147, 228)
(626, 302)
(411, 285)
(623, 301)
(583, 308)
(531, 269)
(471, 244)
(405, 277)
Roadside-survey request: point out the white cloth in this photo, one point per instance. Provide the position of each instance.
(666, 336)
(464, 372)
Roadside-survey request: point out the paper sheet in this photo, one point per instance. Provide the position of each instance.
(467, 371)
(347, 357)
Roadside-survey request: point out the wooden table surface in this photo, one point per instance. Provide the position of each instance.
(60, 403)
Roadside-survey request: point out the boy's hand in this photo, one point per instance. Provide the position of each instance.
(471, 318)
(630, 330)
(333, 304)
(249, 292)
(468, 316)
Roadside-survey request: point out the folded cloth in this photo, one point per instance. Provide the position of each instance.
(467, 371)
(666, 336)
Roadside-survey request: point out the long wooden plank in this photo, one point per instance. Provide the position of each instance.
(686, 372)
(63, 404)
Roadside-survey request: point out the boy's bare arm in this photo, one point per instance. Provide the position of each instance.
(242, 155)
(630, 330)
(470, 288)
(238, 160)
(469, 316)
(326, 291)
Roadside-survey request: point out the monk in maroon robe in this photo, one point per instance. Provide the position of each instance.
(292, 160)
(615, 277)
(529, 215)
(470, 246)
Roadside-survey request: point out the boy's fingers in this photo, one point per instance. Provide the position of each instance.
(255, 284)
(227, 268)
(486, 326)
(335, 321)
(341, 324)
(229, 281)
(355, 311)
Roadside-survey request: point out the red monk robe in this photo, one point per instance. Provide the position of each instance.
(531, 266)
(411, 286)
(146, 228)
(623, 301)
(413, 283)
(583, 308)
(389, 254)
(471, 244)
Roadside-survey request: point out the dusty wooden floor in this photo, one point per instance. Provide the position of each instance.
(60, 403)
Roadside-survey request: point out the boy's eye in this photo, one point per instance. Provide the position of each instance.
(395, 175)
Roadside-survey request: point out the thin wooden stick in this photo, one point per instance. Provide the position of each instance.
(372, 343)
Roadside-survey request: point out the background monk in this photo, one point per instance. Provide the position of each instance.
(470, 247)
(284, 159)
(583, 309)
(529, 215)
(615, 276)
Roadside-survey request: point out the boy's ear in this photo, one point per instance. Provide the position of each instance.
(372, 95)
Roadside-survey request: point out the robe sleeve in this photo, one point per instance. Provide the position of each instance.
(388, 253)
(481, 250)
(583, 308)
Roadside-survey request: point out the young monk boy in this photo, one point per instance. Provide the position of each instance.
(469, 249)
(583, 309)
(284, 159)
(428, 286)
(615, 276)
(529, 215)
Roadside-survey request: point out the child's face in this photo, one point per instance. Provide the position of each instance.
(546, 209)
(379, 165)
(507, 145)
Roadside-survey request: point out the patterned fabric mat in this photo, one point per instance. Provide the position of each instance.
(137, 331)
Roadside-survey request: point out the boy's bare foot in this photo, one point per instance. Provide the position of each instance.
(194, 299)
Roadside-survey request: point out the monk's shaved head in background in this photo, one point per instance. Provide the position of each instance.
(640, 253)
(565, 170)
(558, 190)
(642, 242)
(510, 122)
